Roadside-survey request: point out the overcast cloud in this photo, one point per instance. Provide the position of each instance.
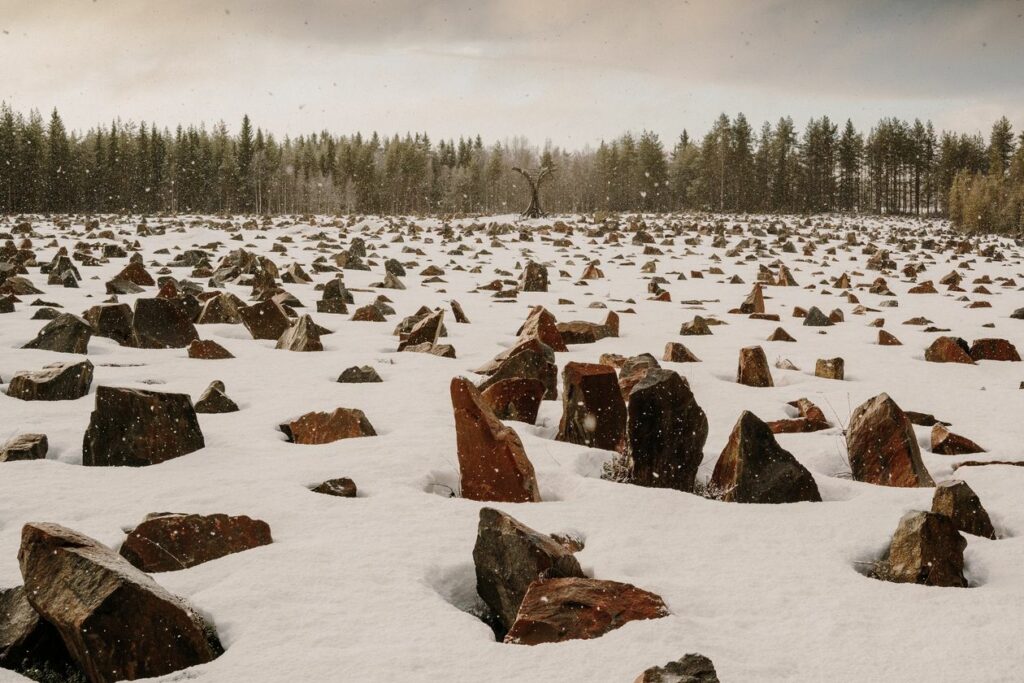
(568, 70)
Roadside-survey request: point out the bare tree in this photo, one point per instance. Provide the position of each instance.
(534, 178)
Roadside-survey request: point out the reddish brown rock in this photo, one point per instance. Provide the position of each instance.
(530, 358)
(492, 461)
(302, 335)
(426, 331)
(541, 325)
(994, 349)
(113, 321)
(882, 447)
(780, 335)
(691, 668)
(24, 447)
(136, 274)
(265, 320)
(55, 382)
(169, 542)
(830, 368)
(927, 549)
(509, 556)
(162, 324)
(945, 442)
(753, 369)
(887, 339)
(556, 610)
(754, 468)
(369, 314)
(516, 398)
(754, 303)
(116, 622)
(30, 644)
(207, 349)
(342, 487)
(678, 353)
(593, 412)
(320, 428)
(948, 350)
(956, 500)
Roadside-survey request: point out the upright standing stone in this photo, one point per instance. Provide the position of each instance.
(753, 369)
(593, 411)
(882, 448)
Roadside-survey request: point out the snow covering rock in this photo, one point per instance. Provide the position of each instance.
(135, 427)
(167, 542)
(881, 446)
(666, 432)
(55, 382)
(556, 610)
(509, 556)
(116, 622)
(492, 462)
(342, 487)
(214, 400)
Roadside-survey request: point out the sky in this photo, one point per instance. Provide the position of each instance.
(569, 71)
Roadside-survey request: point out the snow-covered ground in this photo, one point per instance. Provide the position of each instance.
(377, 588)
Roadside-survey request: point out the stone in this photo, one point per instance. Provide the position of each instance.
(541, 325)
(516, 398)
(695, 328)
(882, 448)
(948, 350)
(493, 465)
(780, 335)
(632, 370)
(135, 427)
(754, 468)
(753, 370)
(207, 349)
(359, 375)
(830, 368)
(994, 349)
(169, 542)
(666, 431)
(426, 331)
(945, 442)
(24, 447)
(534, 278)
(55, 382)
(224, 308)
(691, 668)
(320, 428)
(265, 320)
(593, 411)
(509, 556)
(369, 313)
(303, 335)
(117, 623)
(342, 487)
(678, 353)
(162, 324)
(214, 400)
(926, 549)
(754, 303)
(556, 610)
(113, 321)
(136, 274)
(529, 358)
(66, 333)
(30, 644)
(887, 339)
(815, 318)
(958, 501)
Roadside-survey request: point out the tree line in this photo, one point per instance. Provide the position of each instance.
(897, 167)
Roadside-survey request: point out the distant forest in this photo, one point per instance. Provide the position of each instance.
(897, 167)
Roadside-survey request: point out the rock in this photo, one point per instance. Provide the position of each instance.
(509, 556)
(994, 349)
(780, 335)
(55, 382)
(426, 331)
(695, 328)
(320, 428)
(116, 622)
(534, 278)
(887, 339)
(754, 468)
(541, 325)
(301, 336)
(28, 643)
(207, 349)
(632, 370)
(691, 668)
(136, 274)
(583, 332)
(516, 398)
(225, 308)
(678, 353)
(265, 320)
(214, 400)
(369, 313)
(754, 303)
(556, 610)
(811, 419)
(24, 447)
(948, 350)
(815, 318)
(753, 370)
(162, 324)
(945, 442)
(113, 321)
(66, 333)
(956, 500)
(529, 358)
(492, 461)
(830, 368)
(359, 375)
(882, 448)
(342, 487)
(666, 432)
(926, 549)
(134, 427)
(593, 411)
(169, 542)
